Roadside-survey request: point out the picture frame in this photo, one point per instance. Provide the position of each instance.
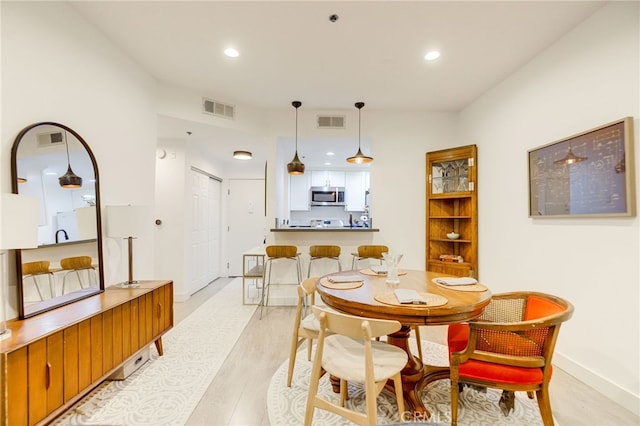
(590, 174)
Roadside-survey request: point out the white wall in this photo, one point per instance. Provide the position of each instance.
(588, 78)
(55, 67)
(170, 235)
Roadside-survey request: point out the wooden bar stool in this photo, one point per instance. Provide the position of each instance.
(368, 252)
(276, 253)
(35, 269)
(324, 252)
(76, 265)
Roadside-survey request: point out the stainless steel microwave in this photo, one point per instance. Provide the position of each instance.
(327, 196)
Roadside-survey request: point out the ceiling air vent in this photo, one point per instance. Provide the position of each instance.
(46, 140)
(331, 121)
(209, 106)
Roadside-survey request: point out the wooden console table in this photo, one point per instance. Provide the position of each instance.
(52, 360)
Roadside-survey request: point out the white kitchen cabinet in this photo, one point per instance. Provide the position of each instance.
(356, 185)
(299, 192)
(327, 178)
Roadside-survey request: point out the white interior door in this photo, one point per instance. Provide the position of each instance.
(204, 236)
(247, 221)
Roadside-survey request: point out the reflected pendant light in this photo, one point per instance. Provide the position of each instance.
(295, 167)
(359, 158)
(570, 158)
(69, 179)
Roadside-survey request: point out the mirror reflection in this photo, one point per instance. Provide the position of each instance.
(53, 164)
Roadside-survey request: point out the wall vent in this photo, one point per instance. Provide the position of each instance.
(46, 140)
(331, 121)
(209, 106)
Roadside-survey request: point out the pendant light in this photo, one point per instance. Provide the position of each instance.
(359, 158)
(570, 158)
(69, 179)
(295, 167)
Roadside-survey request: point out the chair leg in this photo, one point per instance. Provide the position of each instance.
(314, 382)
(454, 402)
(292, 358)
(35, 283)
(265, 285)
(416, 329)
(344, 392)
(52, 286)
(544, 404)
(309, 347)
(372, 405)
(397, 385)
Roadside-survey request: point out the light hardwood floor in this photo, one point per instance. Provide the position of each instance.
(237, 395)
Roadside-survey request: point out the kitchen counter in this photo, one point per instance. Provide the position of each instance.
(323, 229)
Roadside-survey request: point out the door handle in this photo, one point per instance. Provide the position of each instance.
(48, 375)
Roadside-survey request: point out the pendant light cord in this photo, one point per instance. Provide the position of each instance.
(66, 144)
(359, 110)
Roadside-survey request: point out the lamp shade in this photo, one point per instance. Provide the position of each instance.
(19, 216)
(126, 221)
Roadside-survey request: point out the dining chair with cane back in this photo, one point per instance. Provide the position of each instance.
(304, 327)
(368, 252)
(34, 270)
(324, 252)
(509, 347)
(276, 253)
(351, 354)
(79, 266)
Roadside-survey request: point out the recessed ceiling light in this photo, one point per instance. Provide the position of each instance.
(231, 52)
(327, 163)
(432, 55)
(330, 153)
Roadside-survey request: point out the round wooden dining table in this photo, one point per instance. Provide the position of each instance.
(374, 298)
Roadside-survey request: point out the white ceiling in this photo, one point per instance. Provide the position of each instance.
(290, 50)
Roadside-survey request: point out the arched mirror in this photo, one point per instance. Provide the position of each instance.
(51, 162)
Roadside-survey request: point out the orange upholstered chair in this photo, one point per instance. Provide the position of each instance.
(509, 347)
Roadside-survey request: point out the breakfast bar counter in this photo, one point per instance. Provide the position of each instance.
(322, 229)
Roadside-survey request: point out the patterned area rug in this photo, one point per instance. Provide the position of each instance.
(165, 390)
(286, 406)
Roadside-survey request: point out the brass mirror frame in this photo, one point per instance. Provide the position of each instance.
(14, 189)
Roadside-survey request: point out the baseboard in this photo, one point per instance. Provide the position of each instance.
(181, 297)
(610, 390)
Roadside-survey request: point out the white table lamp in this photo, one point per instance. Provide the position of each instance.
(19, 216)
(127, 222)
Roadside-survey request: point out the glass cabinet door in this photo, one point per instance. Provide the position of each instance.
(450, 176)
(451, 171)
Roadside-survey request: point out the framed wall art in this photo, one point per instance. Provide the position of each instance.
(588, 174)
